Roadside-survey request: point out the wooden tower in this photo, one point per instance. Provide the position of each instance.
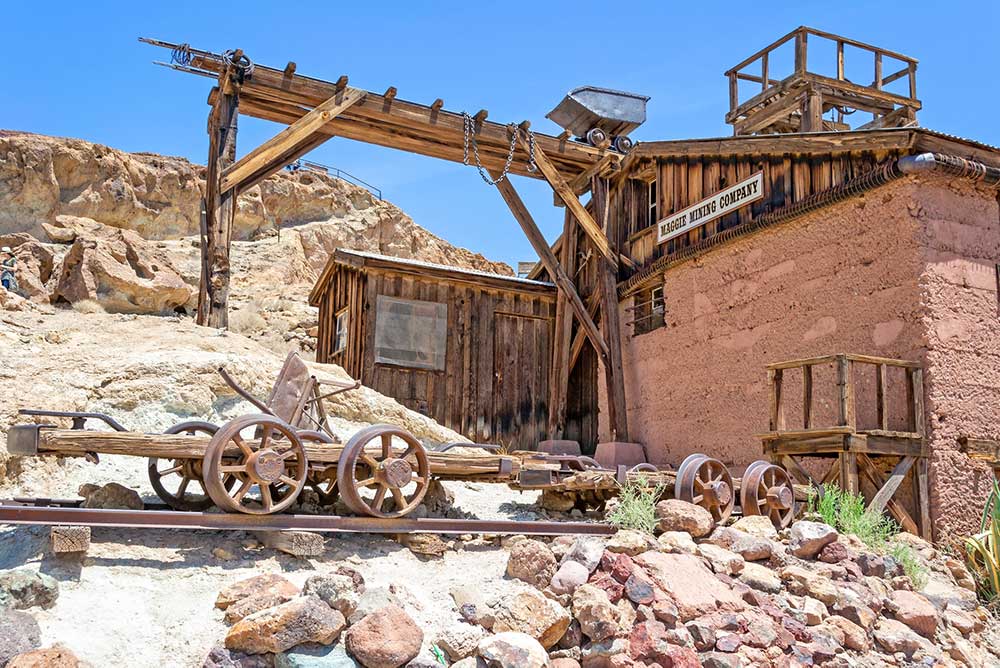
(819, 95)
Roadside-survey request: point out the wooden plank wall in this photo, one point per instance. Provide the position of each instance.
(682, 181)
(494, 388)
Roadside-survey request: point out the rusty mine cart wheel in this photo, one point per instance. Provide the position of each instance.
(706, 482)
(321, 478)
(767, 490)
(273, 455)
(184, 471)
(370, 469)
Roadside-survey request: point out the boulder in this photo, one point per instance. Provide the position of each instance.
(751, 548)
(531, 561)
(251, 604)
(220, 657)
(337, 590)
(702, 634)
(121, 271)
(586, 550)
(813, 611)
(721, 560)
(530, 612)
(110, 496)
(959, 620)
(915, 611)
(639, 589)
(677, 541)
(631, 542)
(460, 640)
(854, 636)
(386, 638)
(258, 585)
(598, 617)
(806, 539)
(25, 588)
(893, 636)
(373, 600)
(803, 582)
(52, 657)
(34, 265)
(756, 525)
(691, 586)
(760, 577)
(510, 649)
(300, 620)
(677, 515)
(834, 553)
(19, 633)
(570, 575)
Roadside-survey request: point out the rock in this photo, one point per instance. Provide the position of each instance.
(691, 586)
(122, 272)
(806, 583)
(893, 636)
(472, 606)
(251, 604)
(511, 649)
(570, 575)
(756, 525)
(337, 590)
(702, 634)
(871, 564)
(915, 611)
(677, 515)
(664, 610)
(639, 589)
(529, 612)
(560, 502)
(631, 542)
(438, 498)
(315, 656)
(19, 633)
(598, 617)
(220, 657)
(601, 654)
(751, 548)
(531, 561)
(373, 600)
(564, 663)
(728, 642)
(460, 640)
(386, 638)
(721, 660)
(52, 657)
(834, 553)
(222, 554)
(813, 611)
(110, 496)
(424, 544)
(721, 560)
(854, 636)
(760, 577)
(619, 566)
(258, 585)
(959, 620)
(300, 620)
(806, 539)
(677, 541)
(650, 642)
(25, 588)
(586, 550)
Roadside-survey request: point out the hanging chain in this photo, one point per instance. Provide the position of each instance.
(470, 138)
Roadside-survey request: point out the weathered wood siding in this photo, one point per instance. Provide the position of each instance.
(494, 387)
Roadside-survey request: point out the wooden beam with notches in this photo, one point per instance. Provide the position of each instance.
(290, 143)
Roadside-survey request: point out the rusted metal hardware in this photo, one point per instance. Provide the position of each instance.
(79, 419)
(767, 490)
(706, 482)
(25, 511)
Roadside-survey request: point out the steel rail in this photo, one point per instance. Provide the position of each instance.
(49, 512)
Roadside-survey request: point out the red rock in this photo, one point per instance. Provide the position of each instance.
(834, 553)
(386, 638)
(644, 638)
(53, 657)
(915, 611)
(729, 642)
(619, 566)
(639, 589)
(691, 586)
(665, 610)
(611, 587)
(598, 617)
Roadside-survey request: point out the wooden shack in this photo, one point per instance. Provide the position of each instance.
(467, 348)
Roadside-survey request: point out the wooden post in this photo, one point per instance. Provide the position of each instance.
(881, 388)
(845, 392)
(840, 60)
(878, 70)
(800, 51)
(563, 336)
(777, 419)
(812, 114)
(924, 497)
(614, 371)
(807, 396)
(764, 81)
(220, 207)
(849, 469)
(915, 399)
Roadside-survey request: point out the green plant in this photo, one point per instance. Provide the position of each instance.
(846, 513)
(983, 549)
(911, 565)
(636, 507)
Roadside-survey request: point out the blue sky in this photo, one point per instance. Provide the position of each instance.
(76, 69)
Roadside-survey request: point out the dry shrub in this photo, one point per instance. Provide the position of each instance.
(246, 321)
(88, 306)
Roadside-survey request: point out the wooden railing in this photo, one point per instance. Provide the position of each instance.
(770, 85)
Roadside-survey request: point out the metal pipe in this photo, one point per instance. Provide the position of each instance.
(25, 512)
(950, 165)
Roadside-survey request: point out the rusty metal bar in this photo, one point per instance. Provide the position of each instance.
(32, 511)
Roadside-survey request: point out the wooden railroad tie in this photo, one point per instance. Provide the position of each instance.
(295, 543)
(69, 539)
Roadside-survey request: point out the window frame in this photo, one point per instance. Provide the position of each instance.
(438, 355)
(341, 333)
(652, 201)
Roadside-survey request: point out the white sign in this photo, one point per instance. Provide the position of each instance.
(719, 204)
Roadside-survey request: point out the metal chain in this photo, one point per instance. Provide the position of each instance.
(470, 138)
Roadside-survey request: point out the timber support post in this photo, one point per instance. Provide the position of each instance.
(220, 206)
(562, 367)
(608, 286)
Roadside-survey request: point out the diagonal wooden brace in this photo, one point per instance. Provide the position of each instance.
(289, 144)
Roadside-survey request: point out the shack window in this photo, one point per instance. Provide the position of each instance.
(649, 309)
(652, 203)
(340, 338)
(410, 333)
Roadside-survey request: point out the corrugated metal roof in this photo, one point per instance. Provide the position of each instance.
(444, 267)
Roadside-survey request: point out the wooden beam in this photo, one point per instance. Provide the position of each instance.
(581, 336)
(220, 207)
(523, 217)
(614, 371)
(871, 475)
(290, 141)
(563, 335)
(889, 487)
(559, 185)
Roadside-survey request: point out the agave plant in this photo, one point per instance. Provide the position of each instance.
(983, 549)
